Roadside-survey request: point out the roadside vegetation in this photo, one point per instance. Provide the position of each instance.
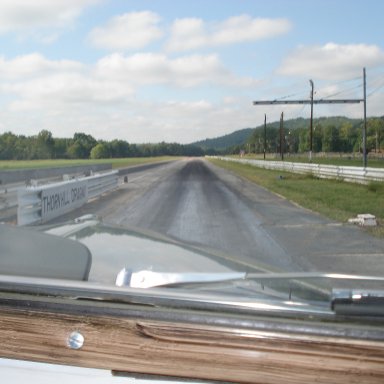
(335, 199)
(345, 159)
(116, 163)
(337, 135)
(84, 146)
(330, 134)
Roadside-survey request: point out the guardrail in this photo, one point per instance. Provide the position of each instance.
(21, 175)
(345, 173)
(42, 203)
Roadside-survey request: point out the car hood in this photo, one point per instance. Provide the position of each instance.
(114, 248)
(136, 258)
(131, 259)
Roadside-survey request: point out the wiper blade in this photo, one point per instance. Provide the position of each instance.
(356, 302)
(149, 279)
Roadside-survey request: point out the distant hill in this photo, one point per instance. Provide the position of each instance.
(241, 137)
(301, 122)
(223, 142)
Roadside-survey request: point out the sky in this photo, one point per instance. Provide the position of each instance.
(180, 71)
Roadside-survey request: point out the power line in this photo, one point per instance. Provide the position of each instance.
(343, 91)
(376, 89)
(313, 101)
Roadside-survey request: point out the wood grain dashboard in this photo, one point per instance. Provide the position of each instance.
(133, 344)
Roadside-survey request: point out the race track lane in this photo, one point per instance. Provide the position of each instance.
(196, 202)
(194, 206)
(199, 203)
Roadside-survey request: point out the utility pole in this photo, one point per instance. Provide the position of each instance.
(311, 124)
(282, 136)
(365, 122)
(312, 101)
(265, 134)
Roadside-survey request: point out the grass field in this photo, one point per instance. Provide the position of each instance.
(116, 163)
(345, 160)
(335, 199)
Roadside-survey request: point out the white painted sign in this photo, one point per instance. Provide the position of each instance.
(43, 203)
(60, 199)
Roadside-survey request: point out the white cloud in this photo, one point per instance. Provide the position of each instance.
(193, 33)
(331, 61)
(66, 96)
(128, 31)
(185, 71)
(64, 90)
(34, 64)
(182, 109)
(170, 121)
(142, 68)
(21, 15)
(36, 83)
(187, 34)
(244, 28)
(179, 121)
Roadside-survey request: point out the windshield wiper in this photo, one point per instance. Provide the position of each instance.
(348, 301)
(355, 302)
(149, 279)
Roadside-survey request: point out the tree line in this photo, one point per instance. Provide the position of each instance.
(84, 146)
(332, 134)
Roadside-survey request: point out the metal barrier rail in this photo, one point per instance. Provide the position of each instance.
(99, 184)
(345, 173)
(42, 203)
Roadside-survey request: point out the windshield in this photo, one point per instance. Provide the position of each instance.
(192, 191)
(184, 152)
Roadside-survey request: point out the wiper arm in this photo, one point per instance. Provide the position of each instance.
(358, 302)
(148, 279)
(344, 302)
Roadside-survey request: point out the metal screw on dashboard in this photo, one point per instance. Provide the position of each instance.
(75, 340)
